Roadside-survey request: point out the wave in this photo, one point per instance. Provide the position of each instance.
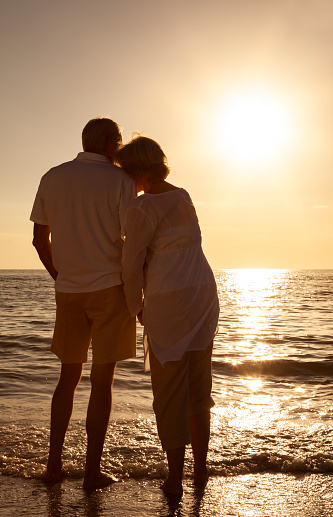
(132, 450)
(292, 464)
(158, 469)
(135, 467)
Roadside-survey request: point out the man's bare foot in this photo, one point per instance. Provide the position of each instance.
(101, 481)
(200, 477)
(172, 488)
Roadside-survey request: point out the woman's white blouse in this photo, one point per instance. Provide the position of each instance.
(163, 258)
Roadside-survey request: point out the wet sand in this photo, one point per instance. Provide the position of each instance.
(259, 495)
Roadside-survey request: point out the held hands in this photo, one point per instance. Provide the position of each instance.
(140, 318)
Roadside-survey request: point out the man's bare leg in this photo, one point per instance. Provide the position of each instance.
(61, 411)
(173, 485)
(98, 416)
(200, 432)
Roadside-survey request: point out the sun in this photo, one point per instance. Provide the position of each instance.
(252, 127)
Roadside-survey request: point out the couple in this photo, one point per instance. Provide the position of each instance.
(89, 208)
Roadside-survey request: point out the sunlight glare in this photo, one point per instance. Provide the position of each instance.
(253, 384)
(252, 128)
(255, 294)
(255, 412)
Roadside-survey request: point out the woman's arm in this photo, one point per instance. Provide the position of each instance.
(139, 233)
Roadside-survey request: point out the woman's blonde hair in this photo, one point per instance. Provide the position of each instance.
(143, 156)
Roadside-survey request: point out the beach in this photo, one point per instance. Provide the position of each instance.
(259, 495)
(271, 441)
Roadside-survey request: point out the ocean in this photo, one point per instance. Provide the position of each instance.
(272, 424)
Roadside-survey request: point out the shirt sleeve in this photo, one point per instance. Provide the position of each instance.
(139, 233)
(38, 213)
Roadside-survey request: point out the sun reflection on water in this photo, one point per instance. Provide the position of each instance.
(252, 303)
(256, 289)
(248, 404)
(253, 396)
(271, 409)
(253, 411)
(253, 384)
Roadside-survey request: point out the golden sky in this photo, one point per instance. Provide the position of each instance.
(238, 93)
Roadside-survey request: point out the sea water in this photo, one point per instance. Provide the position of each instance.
(272, 382)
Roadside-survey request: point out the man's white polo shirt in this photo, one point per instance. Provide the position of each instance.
(84, 202)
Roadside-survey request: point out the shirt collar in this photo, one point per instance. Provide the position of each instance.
(92, 157)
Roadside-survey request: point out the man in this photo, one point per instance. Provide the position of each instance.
(82, 204)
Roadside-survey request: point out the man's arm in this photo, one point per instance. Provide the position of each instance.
(42, 243)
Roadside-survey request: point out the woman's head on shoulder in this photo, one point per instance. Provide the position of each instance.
(143, 158)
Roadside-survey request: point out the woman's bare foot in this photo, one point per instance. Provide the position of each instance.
(172, 488)
(54, 474)
(101, 481)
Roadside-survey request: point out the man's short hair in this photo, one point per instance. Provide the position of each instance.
(97, 132)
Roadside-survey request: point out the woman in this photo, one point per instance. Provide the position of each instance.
(163, 259)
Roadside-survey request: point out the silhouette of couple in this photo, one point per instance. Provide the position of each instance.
(116, 256)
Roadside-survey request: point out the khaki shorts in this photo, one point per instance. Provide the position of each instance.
(181, 389)
(100, 318)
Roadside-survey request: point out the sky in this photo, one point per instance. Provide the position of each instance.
(238, 93)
